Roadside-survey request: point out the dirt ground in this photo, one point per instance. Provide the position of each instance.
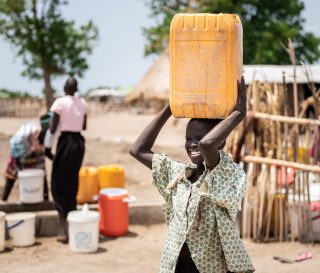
(108, 139)
(139, 252)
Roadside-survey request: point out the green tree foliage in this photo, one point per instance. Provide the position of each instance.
(8, 94)
(48, 44)
(267, 26)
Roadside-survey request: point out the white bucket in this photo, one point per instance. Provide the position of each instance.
(21, 228)
(31, 185)
(2, 230)
(83, 230)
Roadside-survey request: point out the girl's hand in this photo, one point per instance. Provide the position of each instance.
(241, 104)
(167, 109)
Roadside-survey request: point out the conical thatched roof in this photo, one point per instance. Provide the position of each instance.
(155, 83)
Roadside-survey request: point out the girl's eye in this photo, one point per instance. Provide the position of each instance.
(188, 139)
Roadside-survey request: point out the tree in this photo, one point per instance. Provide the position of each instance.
(267, 26)
(48, 44)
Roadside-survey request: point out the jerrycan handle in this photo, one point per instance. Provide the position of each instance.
(129, 199)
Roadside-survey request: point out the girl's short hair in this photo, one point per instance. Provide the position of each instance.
(209, 123)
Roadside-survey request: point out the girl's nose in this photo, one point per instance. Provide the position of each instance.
(194, 144)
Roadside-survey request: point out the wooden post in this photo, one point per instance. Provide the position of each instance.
(277, 162)
(288, 120)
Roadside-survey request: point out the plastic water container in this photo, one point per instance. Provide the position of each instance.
(21, 228)
(205, 64)
(111, 176)
(88, 185)
(2, 230)
(114, 211)
(31, 185)
(83, 230)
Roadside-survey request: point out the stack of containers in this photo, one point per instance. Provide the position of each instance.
(113, 201)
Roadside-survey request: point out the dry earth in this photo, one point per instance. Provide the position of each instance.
(139, 252)
(108, 140)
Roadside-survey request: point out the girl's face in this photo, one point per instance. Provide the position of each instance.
(195, 131)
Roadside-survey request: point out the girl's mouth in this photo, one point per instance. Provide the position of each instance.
(194, 153)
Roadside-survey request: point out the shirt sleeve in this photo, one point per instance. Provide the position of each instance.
(56, 107)
(85, 106)
(226, 186)
(161, 165)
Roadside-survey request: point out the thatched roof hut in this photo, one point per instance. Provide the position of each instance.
(155, 84)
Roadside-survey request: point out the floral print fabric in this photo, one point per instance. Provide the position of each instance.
(202, 214)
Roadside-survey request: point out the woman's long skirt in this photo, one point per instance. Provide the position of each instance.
(65, 170)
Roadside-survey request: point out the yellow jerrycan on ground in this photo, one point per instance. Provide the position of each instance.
(205, 64)
(88, 185)
(111, 176)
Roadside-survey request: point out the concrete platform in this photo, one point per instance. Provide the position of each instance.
(141, 213)
(20, 207)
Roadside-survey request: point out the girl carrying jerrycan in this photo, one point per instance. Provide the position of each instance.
(202, 198)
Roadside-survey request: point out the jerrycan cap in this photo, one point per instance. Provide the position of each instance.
(113, 192)
(84, 215)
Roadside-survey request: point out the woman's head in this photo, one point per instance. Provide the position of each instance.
(195, 131)
(71, 86)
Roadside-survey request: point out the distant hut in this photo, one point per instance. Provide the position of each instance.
(275, 76)
(106, 95)
(153, 89)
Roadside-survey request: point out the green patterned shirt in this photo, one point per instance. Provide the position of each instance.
(202, 214)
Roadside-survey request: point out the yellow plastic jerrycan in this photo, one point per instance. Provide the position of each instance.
(205, 64)
(88, 185)
(111, 176)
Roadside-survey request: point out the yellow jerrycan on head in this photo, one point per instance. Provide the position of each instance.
(205, 64)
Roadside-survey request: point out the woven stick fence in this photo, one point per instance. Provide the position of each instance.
(280, 155)
(22, 107)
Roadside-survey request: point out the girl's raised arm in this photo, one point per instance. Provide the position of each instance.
(141, 148)
(211, 142)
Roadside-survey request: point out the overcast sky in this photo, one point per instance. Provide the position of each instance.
(118, 59)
